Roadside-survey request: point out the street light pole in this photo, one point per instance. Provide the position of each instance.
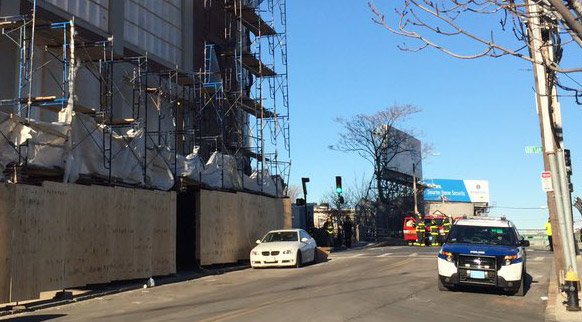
(308, 223)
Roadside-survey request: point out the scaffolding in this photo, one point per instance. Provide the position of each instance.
(244, 81)
(30, 101)
(124, 121)
(232, 112)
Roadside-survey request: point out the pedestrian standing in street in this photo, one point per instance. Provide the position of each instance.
(328, 228)
(548, 228)
(348, 226)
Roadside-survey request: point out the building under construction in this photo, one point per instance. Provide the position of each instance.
(148, 124)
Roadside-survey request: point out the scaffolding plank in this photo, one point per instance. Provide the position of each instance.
(84, 109)
(255, 108)
(256, 66)
(124, 122)
(50, 103)
(251, 19)
(12, 22)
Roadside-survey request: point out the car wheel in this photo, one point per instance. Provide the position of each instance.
(440, 285)
(298, 260)
(521, 290)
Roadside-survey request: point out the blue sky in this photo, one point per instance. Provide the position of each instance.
(478, 114)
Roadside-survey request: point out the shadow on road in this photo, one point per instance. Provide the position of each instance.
(36, 318)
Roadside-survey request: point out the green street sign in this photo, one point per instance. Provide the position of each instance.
(533, 149)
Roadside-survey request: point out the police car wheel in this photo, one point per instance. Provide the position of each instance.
(520, 291)
(440, 285)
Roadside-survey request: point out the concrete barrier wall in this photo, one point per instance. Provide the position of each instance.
(230, 223)
(61, 236)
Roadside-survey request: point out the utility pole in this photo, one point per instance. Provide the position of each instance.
(559, 204)
(414, 187)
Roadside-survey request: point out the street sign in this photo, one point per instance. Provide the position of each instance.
(547, 181)
(533, 149)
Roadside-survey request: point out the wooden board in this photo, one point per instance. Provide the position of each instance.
(6, 209)
(61, 236)
(25, 246)
(53, 237)
(230, 223)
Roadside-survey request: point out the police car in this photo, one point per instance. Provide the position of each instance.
(483, 251)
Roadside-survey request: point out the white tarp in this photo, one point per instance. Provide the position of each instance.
(91, 149)
(13, 132)
(221, 171)
(190, 166)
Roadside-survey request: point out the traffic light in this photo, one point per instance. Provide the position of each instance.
(341, 200)
(568, 161)
(338, 185)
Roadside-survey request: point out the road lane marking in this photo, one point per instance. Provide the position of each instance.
(413, 255)
(538, 258)
(354, 256)
(384, 255)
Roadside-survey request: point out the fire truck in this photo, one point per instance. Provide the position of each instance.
(409, 229)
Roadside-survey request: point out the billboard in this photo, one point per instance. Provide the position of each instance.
(409, 154)
(447, 190)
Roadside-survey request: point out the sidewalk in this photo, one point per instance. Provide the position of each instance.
(48, 299)
(556, 307)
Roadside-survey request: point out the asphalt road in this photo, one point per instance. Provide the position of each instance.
(371, 284)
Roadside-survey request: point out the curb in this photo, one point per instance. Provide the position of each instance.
(550, 312)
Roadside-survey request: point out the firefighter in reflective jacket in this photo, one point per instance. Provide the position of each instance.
(447, 226)
(434, 232)
(420, 231)
(328, 228)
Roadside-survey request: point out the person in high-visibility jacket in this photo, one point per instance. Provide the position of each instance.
(447, 226)
(434, 232)
(420, 231)
(548, 228)
(328, 228)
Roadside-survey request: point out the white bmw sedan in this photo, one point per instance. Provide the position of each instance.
(287, 247)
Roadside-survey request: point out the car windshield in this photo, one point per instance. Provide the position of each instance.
(280, 236)
(481, 235)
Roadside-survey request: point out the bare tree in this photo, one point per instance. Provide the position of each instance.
(294, 192)
(378, 139)
(495, 28)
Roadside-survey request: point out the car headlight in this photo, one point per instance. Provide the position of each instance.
(254, 252)
(507, 260)
(447, 255)
(288, 251)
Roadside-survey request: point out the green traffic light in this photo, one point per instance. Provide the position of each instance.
(338, 190)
